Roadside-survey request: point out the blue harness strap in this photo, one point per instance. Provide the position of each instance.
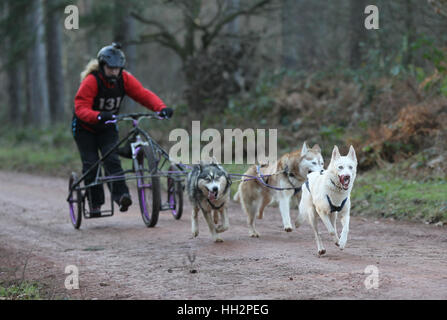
(260, 178)
(334, 208)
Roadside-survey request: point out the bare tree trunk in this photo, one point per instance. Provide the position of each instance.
(289, 34)
(298, 34)
(13, 71)
(37, 87)
(54, 61)
(85, 8)
(124, 32)
(233, 26)
(357, 32)
(410, 27)
(14, 91)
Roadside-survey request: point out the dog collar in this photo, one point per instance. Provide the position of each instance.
(334, 208)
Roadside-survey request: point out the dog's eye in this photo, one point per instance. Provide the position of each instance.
(291, 174)
(340, 167)
(314, 163)
(350, 167)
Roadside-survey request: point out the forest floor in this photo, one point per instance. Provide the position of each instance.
(119, 258)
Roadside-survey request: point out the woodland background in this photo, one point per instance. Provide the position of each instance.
(308, 68)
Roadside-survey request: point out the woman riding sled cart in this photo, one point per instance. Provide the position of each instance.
(104, 84)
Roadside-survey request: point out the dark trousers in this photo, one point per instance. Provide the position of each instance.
(89, 144)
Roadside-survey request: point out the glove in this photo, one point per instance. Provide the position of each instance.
(166, 113)
(104, 116)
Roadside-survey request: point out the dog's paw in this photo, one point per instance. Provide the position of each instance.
(221, 229)
(254, 234)
(321, 252)
(195, 233)
(218, 240)
(288, 229)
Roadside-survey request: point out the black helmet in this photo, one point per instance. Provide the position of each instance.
(112, 56)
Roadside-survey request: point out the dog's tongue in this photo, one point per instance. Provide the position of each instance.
(211, 195)
(344, 180)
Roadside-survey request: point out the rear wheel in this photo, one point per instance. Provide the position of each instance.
(175, 195)
(75, 202)
(148, 186)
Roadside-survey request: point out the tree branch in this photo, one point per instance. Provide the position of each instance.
(164, 37)
(229, 18)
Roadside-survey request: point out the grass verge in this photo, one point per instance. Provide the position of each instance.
(382, 194)
(20, 291)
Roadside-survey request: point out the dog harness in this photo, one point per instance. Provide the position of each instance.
(265, 182)
(213, 206)
(334, 208)
(331, 205)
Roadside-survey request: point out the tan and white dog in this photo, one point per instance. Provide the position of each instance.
(288, 172)
(327, 194)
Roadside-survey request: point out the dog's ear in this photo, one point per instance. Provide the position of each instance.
(214, 160)
(316, 148)
(335, 153)
(351, 153)
(304, 149)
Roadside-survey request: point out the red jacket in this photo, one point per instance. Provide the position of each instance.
(89, 88)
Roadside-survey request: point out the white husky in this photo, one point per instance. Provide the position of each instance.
(327, 194)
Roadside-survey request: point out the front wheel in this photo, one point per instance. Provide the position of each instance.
(75, 203)
(148, 185)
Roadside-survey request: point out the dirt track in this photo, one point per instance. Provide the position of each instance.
(119, 258)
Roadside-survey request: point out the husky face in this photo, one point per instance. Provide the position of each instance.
(311, 160)
(343, 169)
(212, 181)
(300, 165)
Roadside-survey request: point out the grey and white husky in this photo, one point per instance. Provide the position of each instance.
(208, 188)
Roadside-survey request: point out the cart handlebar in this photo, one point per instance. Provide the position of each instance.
(135, 117)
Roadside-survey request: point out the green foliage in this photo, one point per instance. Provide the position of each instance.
(331, 134)
(259, 103)
(385, 194)
(51, 150)
(437, 58)
(21, 291)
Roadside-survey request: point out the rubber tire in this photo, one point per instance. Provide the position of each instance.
(75, 206)
(152, 219)
(178, 194)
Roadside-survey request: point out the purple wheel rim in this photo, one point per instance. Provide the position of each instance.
(143, 199)
(171, 196)
(72, 214)
(172, 203)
